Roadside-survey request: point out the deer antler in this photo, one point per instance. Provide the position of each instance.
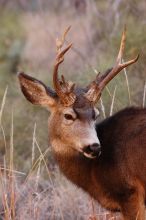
(63, 89)
(101, 81)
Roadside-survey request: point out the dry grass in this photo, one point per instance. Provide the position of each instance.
(32, 197)
(95, 35)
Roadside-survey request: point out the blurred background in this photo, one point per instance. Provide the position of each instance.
(28, 31)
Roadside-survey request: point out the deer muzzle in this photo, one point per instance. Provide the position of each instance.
(92, 151)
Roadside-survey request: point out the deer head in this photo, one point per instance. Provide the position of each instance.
(73, 112)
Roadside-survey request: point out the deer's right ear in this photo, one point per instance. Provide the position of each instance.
(36, 92)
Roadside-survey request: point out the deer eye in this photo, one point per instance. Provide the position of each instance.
(68, 117)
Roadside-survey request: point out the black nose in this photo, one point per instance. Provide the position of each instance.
(94, 149)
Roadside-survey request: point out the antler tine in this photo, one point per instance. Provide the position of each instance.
(60, 42)
(59, 60)
(122, 46)
(60, 56)
(62, 89)
(98, 85)
(119, 65)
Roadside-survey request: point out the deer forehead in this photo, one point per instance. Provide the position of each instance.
(82, 108)
(83, 111)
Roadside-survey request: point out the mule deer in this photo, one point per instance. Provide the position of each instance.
(107, 160)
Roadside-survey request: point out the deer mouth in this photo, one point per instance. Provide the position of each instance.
(92, 151)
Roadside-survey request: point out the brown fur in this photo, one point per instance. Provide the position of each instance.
(116, 178)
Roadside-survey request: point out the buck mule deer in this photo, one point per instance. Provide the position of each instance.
(107, 160)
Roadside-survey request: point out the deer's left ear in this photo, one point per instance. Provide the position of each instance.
(36, 92)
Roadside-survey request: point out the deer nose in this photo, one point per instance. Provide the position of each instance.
(95, 148)
(92, 150)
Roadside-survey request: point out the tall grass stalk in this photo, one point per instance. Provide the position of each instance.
(33, 144)
(35, 165)
(102, 108)
(43, 159)
(11, 176)
(144, 95)
(1, 113)
(4, 197)
(38, 175)
(117, 100)
(113, 101)
(3, 103)
(127, 84)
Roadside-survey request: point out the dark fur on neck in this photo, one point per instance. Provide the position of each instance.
(110, 178)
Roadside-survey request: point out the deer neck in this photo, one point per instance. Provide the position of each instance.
(83, 172)
(75, 167)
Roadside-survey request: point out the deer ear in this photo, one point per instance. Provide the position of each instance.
(36, 92)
